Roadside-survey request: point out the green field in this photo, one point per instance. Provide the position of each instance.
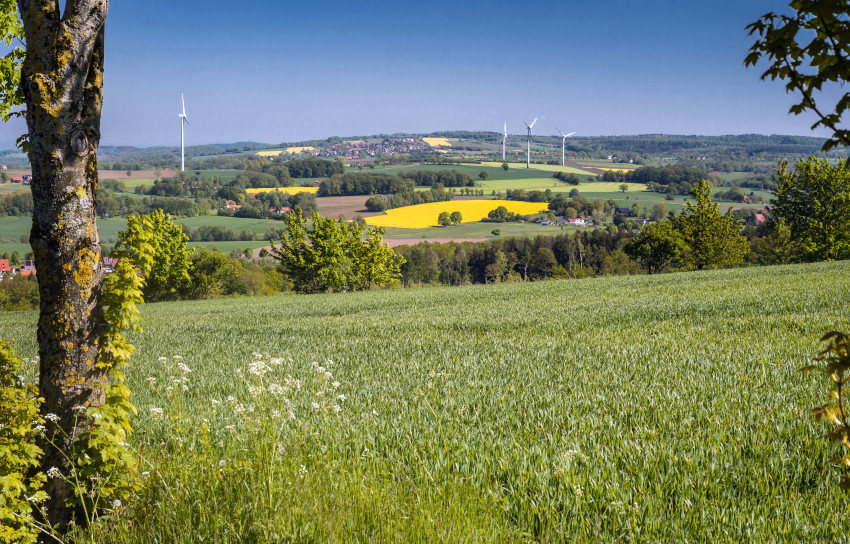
(637, 409)
(12, 187)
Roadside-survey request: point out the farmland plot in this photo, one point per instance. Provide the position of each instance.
(645, 409)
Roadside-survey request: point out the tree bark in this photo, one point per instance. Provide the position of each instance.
(62, 79)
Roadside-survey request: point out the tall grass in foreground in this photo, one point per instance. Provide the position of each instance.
(645, 409)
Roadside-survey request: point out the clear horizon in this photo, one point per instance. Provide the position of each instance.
(276, 72)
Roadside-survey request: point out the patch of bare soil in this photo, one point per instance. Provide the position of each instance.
(347, 206)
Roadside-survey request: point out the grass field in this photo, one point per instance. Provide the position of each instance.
(547, 168)
(596, 187)
(636, 409)
(12, 187)
(425, 215)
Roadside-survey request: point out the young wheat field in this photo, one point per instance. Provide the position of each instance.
(636, 409)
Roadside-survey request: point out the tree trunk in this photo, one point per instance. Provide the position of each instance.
(62, 79)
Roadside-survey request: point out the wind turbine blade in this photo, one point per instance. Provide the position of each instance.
(182, 101)
(526, 124)
(532, 123)
(568, 135)
(559, 132)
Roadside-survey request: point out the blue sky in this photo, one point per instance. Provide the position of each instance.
(273, 71)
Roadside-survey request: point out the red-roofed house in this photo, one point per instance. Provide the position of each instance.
(27, 271)
(759, 218)
(4, 265)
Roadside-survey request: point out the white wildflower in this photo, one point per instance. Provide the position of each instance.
(79, 409)
(151, 379)
(328, 375)
(258, 368)
(184, 367)
(116, 503)
(216, 401)
(276, 389)
(178, 357)
(40, 427)
(52, 417)
(163, 359)
(222, 463)
(231, 399)
(156, 410)
(337, 408)
(335, 385)
(53, 472)
(341, 397)
(146, 473)
(315, 405)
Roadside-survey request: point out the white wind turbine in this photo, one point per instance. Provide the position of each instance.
(528, 152)
(183, 120)
(563, 143)
(504, 139)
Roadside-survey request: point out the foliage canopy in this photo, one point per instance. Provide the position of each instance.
(808, 50)
(814, 201)
(334, 255)
(713, 239)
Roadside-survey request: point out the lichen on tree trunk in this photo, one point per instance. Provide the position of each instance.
(62, 79)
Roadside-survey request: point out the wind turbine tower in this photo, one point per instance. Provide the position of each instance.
(504, 139)
(528, 151)
(183, 120)
(563, 143)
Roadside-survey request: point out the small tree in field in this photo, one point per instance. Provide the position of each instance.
(483, 175)
(713, 240)
(505, 166)
(456, 218)
(444, 219)
(334, 255)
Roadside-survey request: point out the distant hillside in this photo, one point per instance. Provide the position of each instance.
(484, 144)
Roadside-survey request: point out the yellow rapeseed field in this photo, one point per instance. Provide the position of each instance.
(434, 142)
(287, 190)
(425, 215)
(290, 150)
(614, 169)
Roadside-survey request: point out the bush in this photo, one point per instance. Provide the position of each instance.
(18, 293)
(18, 452)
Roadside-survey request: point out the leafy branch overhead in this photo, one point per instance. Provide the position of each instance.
(809, 50)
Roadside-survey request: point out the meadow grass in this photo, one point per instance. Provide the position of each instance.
(12, 187)
(545, 168)
(647, 409)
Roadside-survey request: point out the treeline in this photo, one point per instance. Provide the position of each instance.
(351, 184)
(569, 255)
(17, 203)
(380, 203)
(675, 180)
(211, 275)
(446, 178)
